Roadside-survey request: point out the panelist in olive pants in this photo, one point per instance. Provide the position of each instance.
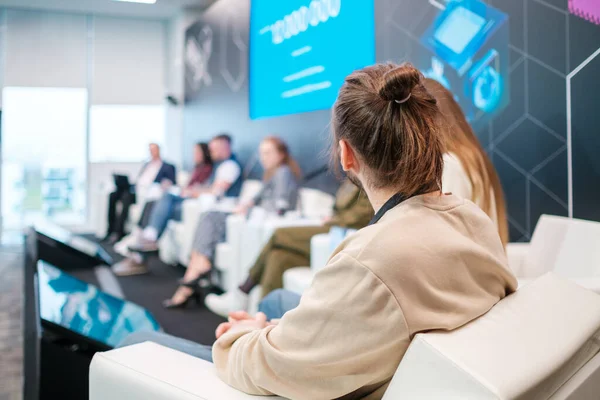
(290, 247)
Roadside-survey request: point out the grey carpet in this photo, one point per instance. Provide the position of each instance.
(11, 348)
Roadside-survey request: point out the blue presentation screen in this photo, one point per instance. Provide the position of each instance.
(301, 51)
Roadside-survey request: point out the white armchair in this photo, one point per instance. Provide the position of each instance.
(541, 343)
(568, 247)
(299, 279)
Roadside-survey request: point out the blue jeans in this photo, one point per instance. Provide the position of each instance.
(167, 208)
(273, 305)
(278, 302)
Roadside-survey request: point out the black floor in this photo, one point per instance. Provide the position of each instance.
(194, 323)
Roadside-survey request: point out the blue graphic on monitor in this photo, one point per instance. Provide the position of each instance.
(466, 50)
(302, 50)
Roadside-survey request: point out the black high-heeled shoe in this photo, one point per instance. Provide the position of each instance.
(192, 284)
(196, 296)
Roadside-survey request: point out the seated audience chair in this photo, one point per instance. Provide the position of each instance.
(568, 247)
(543, 342)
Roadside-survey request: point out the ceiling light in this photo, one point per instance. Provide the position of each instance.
(138, 1)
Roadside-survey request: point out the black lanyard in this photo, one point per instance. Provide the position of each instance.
(391, 203)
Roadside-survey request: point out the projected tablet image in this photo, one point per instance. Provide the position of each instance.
(459, 29)
(302, 50)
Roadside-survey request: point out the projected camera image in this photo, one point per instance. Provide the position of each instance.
(466, 50)
(301, 51)
(586, 9)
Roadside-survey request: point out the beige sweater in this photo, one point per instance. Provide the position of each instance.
(432, 262)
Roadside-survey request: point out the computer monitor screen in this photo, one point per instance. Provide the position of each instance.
(83, 309)
(459, 29)
(302, 50)
(78, 243)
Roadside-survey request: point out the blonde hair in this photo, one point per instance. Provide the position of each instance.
(462, 141)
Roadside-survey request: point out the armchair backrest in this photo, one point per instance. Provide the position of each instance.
(569, 247)
(526, 347)
(579, 255)
(546, 242)
(315, 203)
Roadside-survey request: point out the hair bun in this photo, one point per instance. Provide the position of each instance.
(399, 83)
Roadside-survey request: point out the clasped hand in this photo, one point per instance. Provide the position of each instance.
(243, 319)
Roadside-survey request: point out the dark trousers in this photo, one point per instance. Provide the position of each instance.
(117, 220)
(146, 214)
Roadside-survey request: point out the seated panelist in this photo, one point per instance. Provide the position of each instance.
(201, 173)
(278, 195)
(226, 180)
(153, 172)
(290, 247)
(428, 260)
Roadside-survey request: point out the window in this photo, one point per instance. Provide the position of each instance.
(121, 133)
(44, 155)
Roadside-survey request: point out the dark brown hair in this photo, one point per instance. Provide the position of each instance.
(205, 153)
(224, 136)
(391, 121)
(462, 141)
(282, 148)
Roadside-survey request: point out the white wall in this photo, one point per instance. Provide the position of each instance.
(175, 85)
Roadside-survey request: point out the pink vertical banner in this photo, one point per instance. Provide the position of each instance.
(586, 9)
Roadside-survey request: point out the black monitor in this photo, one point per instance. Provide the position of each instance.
(85, 314)
(66, 321)
(66, 250)
(31, 322)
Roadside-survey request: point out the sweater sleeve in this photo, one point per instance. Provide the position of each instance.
(335, 342)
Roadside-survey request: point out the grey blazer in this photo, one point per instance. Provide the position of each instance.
(280, 192)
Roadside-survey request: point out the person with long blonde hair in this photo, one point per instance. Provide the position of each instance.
(475, 177)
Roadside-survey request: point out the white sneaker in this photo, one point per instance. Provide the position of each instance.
(227, 302)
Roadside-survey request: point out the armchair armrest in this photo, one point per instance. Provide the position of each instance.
(149, 371)
(320, 251)
(517, 254)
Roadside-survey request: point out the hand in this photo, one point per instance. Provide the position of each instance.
(244, 320)
(326, 220)
(241, 209)
(166, 184)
